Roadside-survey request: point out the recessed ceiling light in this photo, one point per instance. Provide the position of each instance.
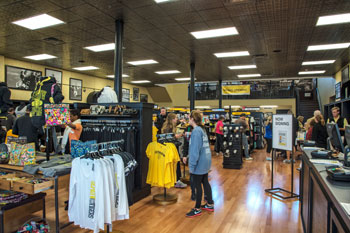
(242, 67)
(141, 81)
(312, 72)
(82, 68)
(168, 72)
(40, 57)
(333, 19)
(142, 62)
(101, 48)
(328, 46)
(248, 75)
(215, 33)
(112, 76)
(232, 54)
(39, 21)
(309, 63)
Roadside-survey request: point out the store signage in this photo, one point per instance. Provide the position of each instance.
(236, 90)
(338, 90)
(218, 110)
(282, 131)
(252, 109)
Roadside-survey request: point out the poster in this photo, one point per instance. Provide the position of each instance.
(75, 89)
(143, 98)
(21, 78)
(125, 95)
(282, 132)
(135, 94)
(236, 90)
(338, 90)
(54, 73)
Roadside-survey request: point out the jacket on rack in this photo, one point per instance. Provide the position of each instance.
(5, 102)
(107, 95)
(46, 91)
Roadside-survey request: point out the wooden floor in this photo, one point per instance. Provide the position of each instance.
(241, 204)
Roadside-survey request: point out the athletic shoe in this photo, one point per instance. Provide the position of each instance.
(249, 158)
(207, 207)
(194, 213)
(286, 161)
(193, 197)
(268, 159)
(180, 185)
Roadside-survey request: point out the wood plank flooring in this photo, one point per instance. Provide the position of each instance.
(241, 204)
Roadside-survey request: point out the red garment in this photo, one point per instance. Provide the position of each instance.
(309, 134)
(218, 125)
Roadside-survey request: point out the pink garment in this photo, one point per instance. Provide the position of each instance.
(218, 125)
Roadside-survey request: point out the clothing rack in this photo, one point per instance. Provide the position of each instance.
(106, 145)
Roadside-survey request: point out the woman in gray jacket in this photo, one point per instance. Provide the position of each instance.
(199, 164)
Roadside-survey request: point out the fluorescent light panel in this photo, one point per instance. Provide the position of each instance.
(242, 67)
(40, 57)
(183, 79)
(333, 19)
(309, 63)
(112, 76)
(248, 75)
(141, 81)
(39, 21)
(160, 1)
(101, 48)
(312, 72)
(168, 72)
(268, 106)
(82, 68)
(229, 31)
(328, 46)
(232, 54)
(142, 62)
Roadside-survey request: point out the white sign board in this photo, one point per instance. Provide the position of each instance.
(282, 132)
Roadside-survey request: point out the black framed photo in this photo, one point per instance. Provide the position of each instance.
(21, 78)
(75, 89)
(143, 98)
(135, 94)
(125, 95)
(54, 73)
(345, 74)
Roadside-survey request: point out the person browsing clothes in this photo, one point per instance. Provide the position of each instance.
(72, 131)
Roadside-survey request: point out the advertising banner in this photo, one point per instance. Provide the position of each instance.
(236, 90)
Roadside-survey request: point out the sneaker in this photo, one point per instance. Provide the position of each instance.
(208, 207)
(249, 158)
(268, 158)
(286, 161)
(193, 196)
(194, 213)
(180, 185)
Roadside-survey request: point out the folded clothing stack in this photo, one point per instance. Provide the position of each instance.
(8, 197)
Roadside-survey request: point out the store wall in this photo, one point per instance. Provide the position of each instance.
(89, 82)
(326, 87)
(179, 96)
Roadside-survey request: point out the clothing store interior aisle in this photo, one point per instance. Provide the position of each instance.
(241, 204)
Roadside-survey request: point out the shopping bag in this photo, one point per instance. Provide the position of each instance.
(79, 148)
(56, 114)
(22, 154)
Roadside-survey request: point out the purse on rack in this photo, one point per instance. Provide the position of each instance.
(85, 112)
(56, 114)
(22, 154)
(79, 148)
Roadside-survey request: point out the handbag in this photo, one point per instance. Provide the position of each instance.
(56, 114)
(79, 148)
(4, 153)
(22, 154)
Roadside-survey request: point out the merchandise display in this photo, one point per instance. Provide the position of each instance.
(22, 154)
(56, 114)
(38, 226)
(233, 146)
(8, 197)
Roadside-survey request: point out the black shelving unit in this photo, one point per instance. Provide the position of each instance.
(344, 106)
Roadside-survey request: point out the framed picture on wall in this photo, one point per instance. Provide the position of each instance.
(125, 95)
(345, 74)
(135, 94)
(21, 78)
(56, 74)
(143, 98)
(75, 89)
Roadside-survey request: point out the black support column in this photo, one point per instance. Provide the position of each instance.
(192, 94)
(118, 58)
(220, 93)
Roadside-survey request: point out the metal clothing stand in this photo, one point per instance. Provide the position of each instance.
(276, 191)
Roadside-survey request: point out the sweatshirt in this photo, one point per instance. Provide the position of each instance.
(199, 152)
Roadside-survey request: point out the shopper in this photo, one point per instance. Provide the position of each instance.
(294, 137)
(309, 131)
(169, 126)
(300, 123)
(243, 123)
(219, 133)
(319, 132)
(10, 119)
(268, 137)
(316, 113)
(21, 110)
(199, 164)
(161, 119)
(24, 127)
(340, 121)
(185, 149)
(72, 130)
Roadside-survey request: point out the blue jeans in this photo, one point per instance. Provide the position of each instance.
(245, 144)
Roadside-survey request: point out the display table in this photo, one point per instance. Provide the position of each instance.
(321, 198)
(12, 216)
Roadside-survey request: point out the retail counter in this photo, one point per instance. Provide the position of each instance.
(321, 198)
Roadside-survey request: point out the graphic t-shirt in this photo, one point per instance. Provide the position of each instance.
(218, 125)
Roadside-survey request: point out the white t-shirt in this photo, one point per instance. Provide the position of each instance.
(122, 207)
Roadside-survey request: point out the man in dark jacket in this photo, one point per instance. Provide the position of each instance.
(185, 148)
(10, 119)
(161, 119)
(5, 102)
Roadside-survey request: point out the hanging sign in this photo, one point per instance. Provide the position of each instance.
(282, 131)
(236, 90)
